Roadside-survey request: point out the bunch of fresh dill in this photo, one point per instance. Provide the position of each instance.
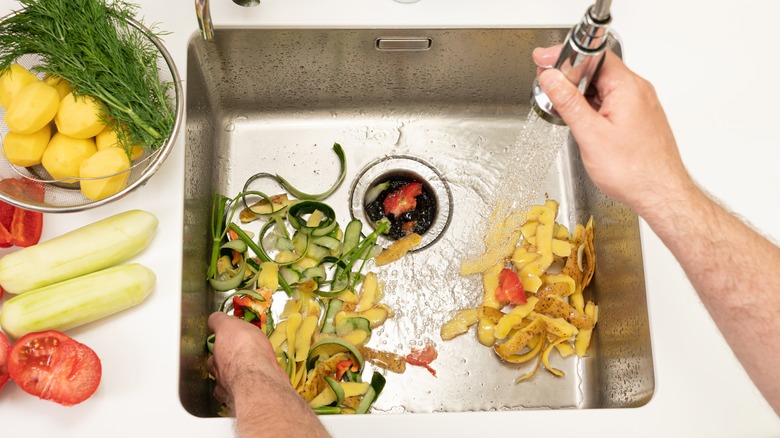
(91, 44)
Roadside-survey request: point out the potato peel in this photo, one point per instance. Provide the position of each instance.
(398, 249)
(554, 267)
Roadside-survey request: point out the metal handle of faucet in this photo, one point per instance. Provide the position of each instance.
(204, 19)
(580, 59)
(203, 12)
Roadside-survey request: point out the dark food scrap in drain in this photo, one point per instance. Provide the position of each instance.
(407, 202)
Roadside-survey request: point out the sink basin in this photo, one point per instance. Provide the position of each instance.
(446, 103)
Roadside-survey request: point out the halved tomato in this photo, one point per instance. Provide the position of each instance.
(5, 349)
(53, 366)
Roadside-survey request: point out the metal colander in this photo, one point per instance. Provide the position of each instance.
(64, 195)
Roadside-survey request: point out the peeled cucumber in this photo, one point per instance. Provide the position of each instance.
(91, 248)
(77, 301)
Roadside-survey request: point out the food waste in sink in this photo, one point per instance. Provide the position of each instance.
(406, 201)
(454, 115)
(287, 266)
(532, 299)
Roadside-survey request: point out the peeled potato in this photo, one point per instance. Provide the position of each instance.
(26, 149)
(33, 108)
(79, 117)
(61, 85)
(12, 80)
(64, 155)
(108, 138)
(108, 161)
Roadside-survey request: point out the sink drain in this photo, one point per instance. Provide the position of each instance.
(387, 186)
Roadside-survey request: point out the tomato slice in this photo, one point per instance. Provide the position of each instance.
(402, 200)
(53, 366)
(5, 349)
(510, 289)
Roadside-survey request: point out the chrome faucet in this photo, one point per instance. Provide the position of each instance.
(204, 19)
(204, 15)
(580, 58)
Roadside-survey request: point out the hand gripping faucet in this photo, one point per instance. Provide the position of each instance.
(204, 15)
(580, 58)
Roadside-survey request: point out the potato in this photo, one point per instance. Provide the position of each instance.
(32, 109)
(12, 80)
(64, 155)
(26, 149)
(109, 161)
(61, 85)
(108, 138)
(79, 117)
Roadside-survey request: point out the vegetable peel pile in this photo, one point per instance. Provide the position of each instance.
(533, 275)
(330, 306)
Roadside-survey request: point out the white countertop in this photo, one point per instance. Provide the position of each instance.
(710, 63)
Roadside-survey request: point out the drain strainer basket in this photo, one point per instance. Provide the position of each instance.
(411, 168)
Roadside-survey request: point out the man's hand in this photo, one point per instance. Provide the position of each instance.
(626, 144)
(630, 153)
(253, 385)
(241, 350)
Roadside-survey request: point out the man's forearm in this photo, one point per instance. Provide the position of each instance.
(275, 411)
(731, 267)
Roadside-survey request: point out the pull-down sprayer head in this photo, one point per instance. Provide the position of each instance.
(580, 58)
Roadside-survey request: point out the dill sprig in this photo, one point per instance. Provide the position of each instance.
(91, 44)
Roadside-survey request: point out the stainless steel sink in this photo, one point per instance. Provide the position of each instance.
(450, 102)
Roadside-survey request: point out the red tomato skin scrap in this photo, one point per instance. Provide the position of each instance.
(423, 358)
(344, 366)
(53, 366)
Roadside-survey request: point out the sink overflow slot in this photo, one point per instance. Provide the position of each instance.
(403, 44)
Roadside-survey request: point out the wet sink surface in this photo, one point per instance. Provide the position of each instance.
(447, 104)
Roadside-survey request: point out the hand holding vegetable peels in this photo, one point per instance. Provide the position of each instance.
(629, 151)
(251, 382)
(330, 303)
